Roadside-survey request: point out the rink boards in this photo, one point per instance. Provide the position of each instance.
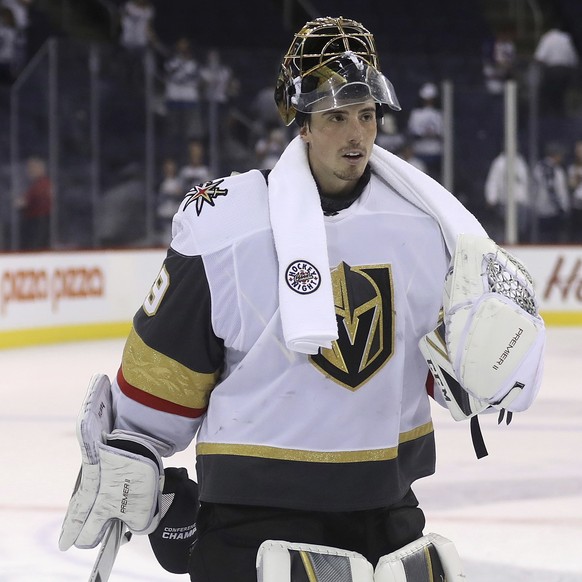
(69, 296)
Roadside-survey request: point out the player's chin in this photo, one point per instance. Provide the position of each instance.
(352, 171)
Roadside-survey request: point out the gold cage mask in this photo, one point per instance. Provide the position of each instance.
(332, 62)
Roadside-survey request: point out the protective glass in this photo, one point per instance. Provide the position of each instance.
(346, 81)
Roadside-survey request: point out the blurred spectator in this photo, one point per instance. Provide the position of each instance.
(558, 59)
(552, 198)
(268, 149)
(264, 111)
(220, 87)
(35, 206)
(425, 126)
(170, 193)
(496, 195)
(406, 152)
(220, 84)
(182, 98)
(194, 171)
(8, 34)
(137, 37)
(499, 60)
(21, 23)
(136, 19)
(20, 10)
(389, 135)
(575, 183)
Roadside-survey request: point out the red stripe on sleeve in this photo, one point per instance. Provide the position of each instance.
(430, 385)
(156, 402)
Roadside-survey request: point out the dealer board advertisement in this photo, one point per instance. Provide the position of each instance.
(70, 296)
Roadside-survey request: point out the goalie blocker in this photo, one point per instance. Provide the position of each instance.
(122, 478)
(487, 349)
(121, 475)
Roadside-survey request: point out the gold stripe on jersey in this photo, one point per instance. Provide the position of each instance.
(415, 433)
(276, 453)
(161, 376)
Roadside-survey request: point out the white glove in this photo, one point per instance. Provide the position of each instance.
(494, 335)
(461, 404)
(121, 475)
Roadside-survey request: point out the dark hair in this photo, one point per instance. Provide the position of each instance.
(302, 119)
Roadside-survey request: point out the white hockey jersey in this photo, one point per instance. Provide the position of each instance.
(346, 429)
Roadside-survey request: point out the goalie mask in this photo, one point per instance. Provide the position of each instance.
(332, 62)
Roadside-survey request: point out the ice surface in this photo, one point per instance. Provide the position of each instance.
(515, 516)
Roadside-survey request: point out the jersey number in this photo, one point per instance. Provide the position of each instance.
(157, 292)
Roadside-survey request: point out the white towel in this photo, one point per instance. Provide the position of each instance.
(305, 291)
(426, 194)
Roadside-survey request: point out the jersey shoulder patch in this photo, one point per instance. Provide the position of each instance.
(215, 214)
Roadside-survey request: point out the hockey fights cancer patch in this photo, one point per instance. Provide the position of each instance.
(302, 277)
(205, 193)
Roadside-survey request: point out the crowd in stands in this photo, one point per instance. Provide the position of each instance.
(199, 103)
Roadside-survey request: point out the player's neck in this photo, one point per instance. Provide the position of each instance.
(332, 204)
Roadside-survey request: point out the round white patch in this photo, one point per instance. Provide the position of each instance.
(302, 277)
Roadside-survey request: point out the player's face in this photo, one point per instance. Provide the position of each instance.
(339, 145)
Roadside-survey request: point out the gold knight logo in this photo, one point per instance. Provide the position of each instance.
(363, 302)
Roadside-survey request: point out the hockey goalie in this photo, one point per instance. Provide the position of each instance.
(288, 337)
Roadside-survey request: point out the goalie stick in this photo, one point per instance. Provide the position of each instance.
(116, 536)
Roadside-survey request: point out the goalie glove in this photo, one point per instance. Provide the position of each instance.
(461, 404)
(121, 475)
(494, 336)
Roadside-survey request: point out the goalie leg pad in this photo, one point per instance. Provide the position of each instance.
(121, 475)
(280, 561)
(427, 559)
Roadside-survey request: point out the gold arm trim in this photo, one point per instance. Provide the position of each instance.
(161, 376)
(280, 454)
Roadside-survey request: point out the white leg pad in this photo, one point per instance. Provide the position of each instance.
(280, 561)
(431, 558)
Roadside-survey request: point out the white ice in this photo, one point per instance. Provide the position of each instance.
(514, 516)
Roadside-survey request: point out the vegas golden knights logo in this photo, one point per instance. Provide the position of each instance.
(363, 305)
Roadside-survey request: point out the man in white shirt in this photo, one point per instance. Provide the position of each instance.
(558, 59)
(136, 17)
(425, 126)
(496, 191)
(552, 196)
